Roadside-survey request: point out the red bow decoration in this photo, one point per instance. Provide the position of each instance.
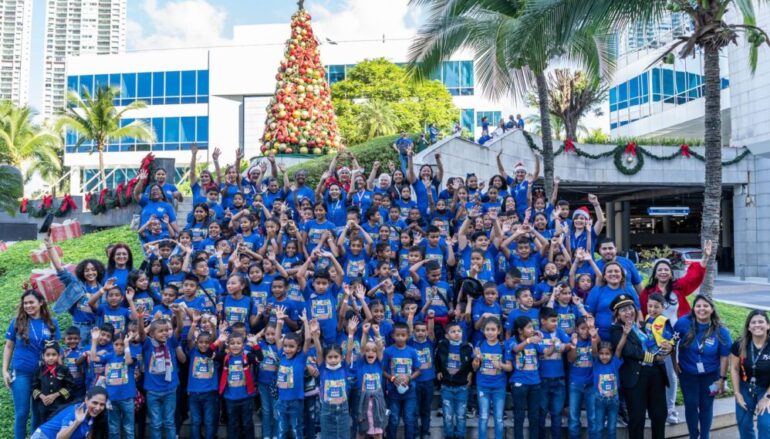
(47, 201)
(130, 186)
(146, 161)
(88, 198)
(686, 150)
(631, 148)
(67, 203)
(102, 196)
(23, 207)
(569, 145)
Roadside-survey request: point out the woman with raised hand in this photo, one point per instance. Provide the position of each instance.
(78, 420)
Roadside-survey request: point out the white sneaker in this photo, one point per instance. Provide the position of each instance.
(673, 417)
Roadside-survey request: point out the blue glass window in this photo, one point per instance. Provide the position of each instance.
(128, 88)
(187, 130)
(157, 126)
(466, 119)
(144, 85)
(633, 91)
(188, 83)
(101, 81)
(493, 117)
(72, 83)
(87, 84)
(172, 84)
(335, 73)
(451, 74)
(202, 135)
(203, 82)
(172, 129)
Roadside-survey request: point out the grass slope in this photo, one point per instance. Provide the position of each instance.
(15, 268)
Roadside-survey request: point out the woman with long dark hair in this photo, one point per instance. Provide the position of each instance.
(675, 305)
(601, 297)
(25, 340)
(704, 345)
(120, 262)
(78, 420)
(642, 375)
(750, 374)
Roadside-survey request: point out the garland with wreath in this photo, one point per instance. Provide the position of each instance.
(629, 158)
(48, 204)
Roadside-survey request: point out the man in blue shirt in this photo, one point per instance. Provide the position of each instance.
(609, 253)
(402, 146)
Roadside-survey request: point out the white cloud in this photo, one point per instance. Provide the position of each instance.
(363, 19)
(178, 23)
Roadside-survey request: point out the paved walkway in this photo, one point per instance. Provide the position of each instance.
(752, 292)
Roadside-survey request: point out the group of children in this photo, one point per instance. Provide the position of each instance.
(341, 311)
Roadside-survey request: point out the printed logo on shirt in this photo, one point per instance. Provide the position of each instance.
(567, 322)
(322, 309)
(584, 357)
(235, 314)
(371, 381)
(453, 363)
(235, 376)
(118, 322)
(526, 360)
(270, 361)
(401, 366)
(356, 268)
(508, 303)
(72, 366)
(334, 391)
(285, 379)
(260, 299)
(547, 343)
(607, 385)
(203, 368)
(425, 358)
(116, 374)
(487, 363)
(527, 275)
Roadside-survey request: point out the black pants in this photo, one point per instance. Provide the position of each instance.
(649, 395)
(240, 414)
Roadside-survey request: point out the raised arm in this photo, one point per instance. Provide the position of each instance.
(217, 169)
(52, 255)
(141, 182)
(555, 191)
(599, 225)
(373, 175)
(410, 165)
(193, 159)
(500, 166)
(440, 168)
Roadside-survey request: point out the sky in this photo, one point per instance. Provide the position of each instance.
(196, 23)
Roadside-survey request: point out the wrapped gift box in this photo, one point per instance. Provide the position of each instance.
(67, 230)
(3, 246)
(47, 282)
(40, 256)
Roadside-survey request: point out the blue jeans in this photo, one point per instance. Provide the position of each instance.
(240, 417)
(335, 421)
(605, 412)
(203, 413)
(354, 398)
(404, 159)
(424, 403)
(552, 401)
(525, 397)
(310, 420)
(454, 401)
(289, 415)
(121, 417)
(752, 394)
(580, 394)
(698, 404)
(405, 408)
(21, 392)
(161, 407)
(269, 428)
(494, 396)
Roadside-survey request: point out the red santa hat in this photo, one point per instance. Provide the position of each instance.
(581, 211)
(519, 167)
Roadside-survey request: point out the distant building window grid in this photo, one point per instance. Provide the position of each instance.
(171, 134)
(155, 88)
(121, 175)
(493, 118)
(466, 118)
(457, 76)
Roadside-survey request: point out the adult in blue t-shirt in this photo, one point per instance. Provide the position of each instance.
(426, 182)
(76, 419)
(601, 296)
(609, 252)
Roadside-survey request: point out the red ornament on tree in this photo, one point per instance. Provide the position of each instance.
(300, 118)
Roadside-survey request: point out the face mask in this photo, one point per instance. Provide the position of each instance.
(551, 276)
(330, 367)
(455, 343)
(441, 211)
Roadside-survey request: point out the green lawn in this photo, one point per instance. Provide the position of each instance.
(15, 267)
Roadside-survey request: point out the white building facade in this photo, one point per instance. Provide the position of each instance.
(73, 28)
(217, 96)
(15, 46)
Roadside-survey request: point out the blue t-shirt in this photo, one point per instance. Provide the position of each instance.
(77, 371)
(81, 311)
(117, 317)
(159, 209)
(632, 274)
(605, 377)
(119, 377)
(425, 355)
(290, 376)
(323, 307)
(580, 370)
(480, 307)
(488, 375)
(369, 376)
(203, 373)
(529, 268)
(314, 231)
(333, 384)
(400, 361)
(236, 378)
(526, 363)
(507, 297)
(269, 364)
(581, 241)
(598, 303)
(65, 418)
(26, 355)
(238, 310)
(702, 349)
(121, 277)
(552, 366)
(567, 315)
(532, 313)
(156, 366)
(442, 297)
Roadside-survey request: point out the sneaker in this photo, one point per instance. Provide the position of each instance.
(623, 419)
(471, 413)
(673, 417)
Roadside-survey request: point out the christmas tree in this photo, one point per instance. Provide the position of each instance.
(300, 117)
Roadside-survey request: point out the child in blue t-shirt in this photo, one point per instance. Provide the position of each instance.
(119, 381)
(490, 366)
(525, 301)
(202, 381)
(580, 375)
(552, 371)
(369, 376)
(74, 358)
(290, 376)
(423, 341)
(112, 312)
(524, 350)
(567, 306)
(333, 374)
(484, 307)
(606, 367)
(401, 368)
(266, 378)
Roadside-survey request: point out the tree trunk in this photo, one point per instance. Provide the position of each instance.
(103, 182)
(570, 127)
(712, 194)
(545, 128)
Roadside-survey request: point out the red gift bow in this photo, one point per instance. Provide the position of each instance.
(47, 201)
(631, 148)
(24, 205)
(88, 198)
(569, 145)
(67, 203)
(119, 191)
(686, 150)
(146, 161)
(102, 195)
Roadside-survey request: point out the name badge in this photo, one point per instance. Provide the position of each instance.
(699, 366)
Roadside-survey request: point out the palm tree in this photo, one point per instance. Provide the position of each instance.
(11, 188)
(376, 118)
(509, 59)
(710, 35)
(571, 96)
(22, 142)
(97, 119)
